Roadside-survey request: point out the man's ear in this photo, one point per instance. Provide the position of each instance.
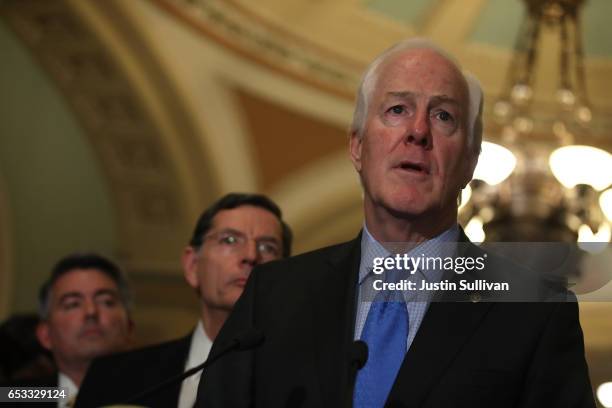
(42, 333)
(190, 266)
(355, 144)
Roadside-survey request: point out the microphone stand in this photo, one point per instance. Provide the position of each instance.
(247, 340)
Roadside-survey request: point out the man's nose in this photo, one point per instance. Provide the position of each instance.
(91, 308)
(251, 254)
(419, 131)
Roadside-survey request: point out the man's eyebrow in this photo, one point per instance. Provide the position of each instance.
(440, 99)
(268, 238)
(106, 291)
(230, 230)
(401, 94)
(70, 295)
(434, 100)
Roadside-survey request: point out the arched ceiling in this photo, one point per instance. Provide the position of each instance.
(49, 179)
(183, 100)
(327, 44)
(147, 150)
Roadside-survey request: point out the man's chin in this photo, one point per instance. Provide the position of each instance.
(100, 348)
(405, 207)
(227, 302)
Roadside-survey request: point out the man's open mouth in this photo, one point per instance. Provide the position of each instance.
(414, 167)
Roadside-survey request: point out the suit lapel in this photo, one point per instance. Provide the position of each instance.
(174, 364)
(445, 329)
(180, 360)
(443, 333)
(334, 295)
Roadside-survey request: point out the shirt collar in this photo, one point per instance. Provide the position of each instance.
(64, 381)
(200, 347)
(442, 245)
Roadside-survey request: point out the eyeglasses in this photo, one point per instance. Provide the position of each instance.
(235, 241)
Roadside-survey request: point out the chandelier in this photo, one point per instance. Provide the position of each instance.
(543, 181)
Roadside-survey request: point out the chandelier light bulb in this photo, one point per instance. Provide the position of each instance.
(466, 194)
(523, 124)
(604, 394)
(475, 231)
(584, 114)
(502, 109)
(566, 97)
(521, 93)
(585, 234)
(495, 164)
(486, 214)
(605, 202)
(594, 242)
(573, 165)
(603, 233)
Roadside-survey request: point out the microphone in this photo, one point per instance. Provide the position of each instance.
(247, 340)
(358, 355)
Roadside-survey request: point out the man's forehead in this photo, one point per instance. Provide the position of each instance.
(83, 281)
(422, 66)
(246, 218)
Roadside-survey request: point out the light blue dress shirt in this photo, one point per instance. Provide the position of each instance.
(417, 302)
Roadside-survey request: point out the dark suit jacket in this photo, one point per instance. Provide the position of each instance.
(115, 378)
(465, 354)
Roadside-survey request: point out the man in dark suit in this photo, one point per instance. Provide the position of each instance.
(233, 235)
(84, 313)
(415, 142)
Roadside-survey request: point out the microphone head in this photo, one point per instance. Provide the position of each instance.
(359, 353)
(249, 339)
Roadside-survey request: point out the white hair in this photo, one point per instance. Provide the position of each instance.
(370, 77)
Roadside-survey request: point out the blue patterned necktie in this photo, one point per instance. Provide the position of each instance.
(385, 331)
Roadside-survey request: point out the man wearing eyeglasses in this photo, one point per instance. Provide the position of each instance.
(233, 235)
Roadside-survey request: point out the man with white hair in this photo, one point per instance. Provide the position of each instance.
(414, 142)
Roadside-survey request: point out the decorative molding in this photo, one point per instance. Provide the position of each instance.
(232, 150)
(234, 28)
(101, 96)
(98, 62)
(259, 36)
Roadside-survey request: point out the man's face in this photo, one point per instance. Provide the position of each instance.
(86, 317)
(239, 239)
(413, 158)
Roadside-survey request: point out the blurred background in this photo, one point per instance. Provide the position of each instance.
(121, 120)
